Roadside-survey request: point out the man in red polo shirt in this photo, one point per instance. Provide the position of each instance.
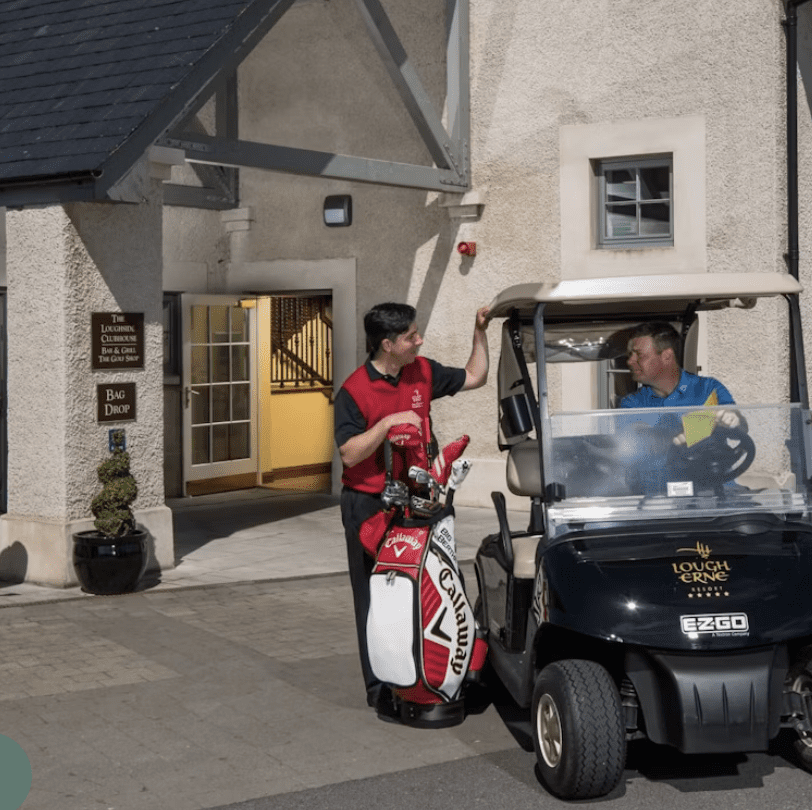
(395, 386)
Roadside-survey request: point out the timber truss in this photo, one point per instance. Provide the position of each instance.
(217, 158)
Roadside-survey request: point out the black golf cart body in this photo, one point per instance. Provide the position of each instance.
(674, 583)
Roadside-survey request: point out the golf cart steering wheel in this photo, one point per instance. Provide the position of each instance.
(721, 457)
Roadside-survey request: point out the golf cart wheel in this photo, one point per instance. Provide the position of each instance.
(578, 729)
(801, 680)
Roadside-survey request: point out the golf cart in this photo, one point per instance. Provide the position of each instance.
(662, 587)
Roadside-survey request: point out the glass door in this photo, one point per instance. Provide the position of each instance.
(220, 424)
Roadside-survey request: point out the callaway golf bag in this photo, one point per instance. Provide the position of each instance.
(421, 633)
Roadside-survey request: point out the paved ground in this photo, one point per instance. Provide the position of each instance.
(233, 684)
(233, 678)
(257, 535)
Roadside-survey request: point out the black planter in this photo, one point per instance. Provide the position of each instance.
(107, 565)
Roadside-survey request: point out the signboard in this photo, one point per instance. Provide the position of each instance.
(117, 340)
(116, 402)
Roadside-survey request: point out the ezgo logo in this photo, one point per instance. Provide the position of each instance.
(15, 774)
(715, 623)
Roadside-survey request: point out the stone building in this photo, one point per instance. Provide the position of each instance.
(181, 159)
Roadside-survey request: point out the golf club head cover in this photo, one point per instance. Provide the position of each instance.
(373, 530)
(459, 470)
(441, 469)
(409, 446)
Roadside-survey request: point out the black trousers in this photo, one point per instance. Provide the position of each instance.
(356, 507)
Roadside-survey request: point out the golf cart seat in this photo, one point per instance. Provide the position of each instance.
(575, 459)
(523, 473)
(523, 478)
(583, 465)
(524, 556)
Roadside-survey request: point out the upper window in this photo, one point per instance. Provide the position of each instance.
(635, 202)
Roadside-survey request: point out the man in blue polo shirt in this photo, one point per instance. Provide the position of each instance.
(652, 358)
(653, 352)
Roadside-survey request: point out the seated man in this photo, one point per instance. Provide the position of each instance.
(652, 355)
(653, 351)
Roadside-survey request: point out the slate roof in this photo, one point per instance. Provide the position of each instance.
(87, 85)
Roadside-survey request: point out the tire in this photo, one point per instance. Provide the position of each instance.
(578, 729)
(801, 681)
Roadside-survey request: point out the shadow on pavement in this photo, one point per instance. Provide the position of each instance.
(198, 523)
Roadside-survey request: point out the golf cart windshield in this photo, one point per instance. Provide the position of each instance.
(633, 464)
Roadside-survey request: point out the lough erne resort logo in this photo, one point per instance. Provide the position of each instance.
(705, 576)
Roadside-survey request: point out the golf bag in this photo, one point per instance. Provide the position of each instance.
(422, 637)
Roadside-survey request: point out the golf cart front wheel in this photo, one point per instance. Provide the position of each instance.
(578, 729)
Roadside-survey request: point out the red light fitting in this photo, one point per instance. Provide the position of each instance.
(467, 248)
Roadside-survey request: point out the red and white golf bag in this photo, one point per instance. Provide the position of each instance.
(422, 637)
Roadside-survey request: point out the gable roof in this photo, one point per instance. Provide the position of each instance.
(86, 86)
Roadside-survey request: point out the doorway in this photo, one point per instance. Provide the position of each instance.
(295, 350)
(257, 389)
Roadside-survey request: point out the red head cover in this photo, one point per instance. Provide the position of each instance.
(411, 444)
(441, 469)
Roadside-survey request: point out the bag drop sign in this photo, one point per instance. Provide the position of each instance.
(116, 402)
(117, 340)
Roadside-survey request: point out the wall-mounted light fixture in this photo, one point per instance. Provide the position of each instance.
(338, 211)
(467, 248)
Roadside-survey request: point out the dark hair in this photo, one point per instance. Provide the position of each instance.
(387, 321)
(662, 335)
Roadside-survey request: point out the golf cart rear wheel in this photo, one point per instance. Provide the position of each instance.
(578, 729)
(801, 680)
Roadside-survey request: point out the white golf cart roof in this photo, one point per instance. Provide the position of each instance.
(639, 296)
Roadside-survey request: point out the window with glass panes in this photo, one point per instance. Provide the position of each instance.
(221, 412)
(636, 202)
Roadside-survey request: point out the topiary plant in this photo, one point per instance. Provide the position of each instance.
(111, 507)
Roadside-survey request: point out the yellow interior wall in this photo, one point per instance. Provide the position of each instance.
(295, 429)
(301, 429)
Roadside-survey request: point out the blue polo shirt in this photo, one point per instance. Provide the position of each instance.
(649, 463)
(691, 390)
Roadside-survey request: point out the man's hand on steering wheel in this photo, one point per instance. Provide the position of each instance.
(725, 417)
(720, 457)
(729, 419)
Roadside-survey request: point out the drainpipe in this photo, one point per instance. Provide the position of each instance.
(791, 27)
(798, 388)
